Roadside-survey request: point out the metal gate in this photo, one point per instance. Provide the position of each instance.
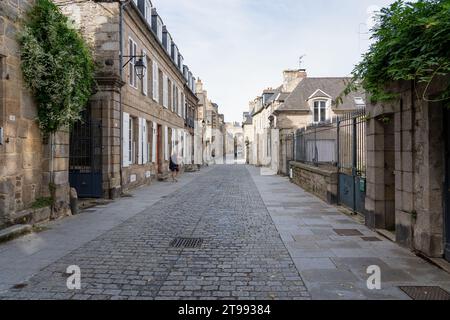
(351, 134)
(85, 162)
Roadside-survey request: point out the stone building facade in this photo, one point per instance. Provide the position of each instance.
(26, 156)
(408, 173)
(266, 143)
(211, 128)
(143, 118)
(234, 147)
(247, 128)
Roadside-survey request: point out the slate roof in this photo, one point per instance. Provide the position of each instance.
(248, 119)
(275, 95)
(308, 88)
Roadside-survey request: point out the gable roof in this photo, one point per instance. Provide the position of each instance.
(311, 88)
(319, 94)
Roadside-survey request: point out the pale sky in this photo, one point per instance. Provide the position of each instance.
(240, 47)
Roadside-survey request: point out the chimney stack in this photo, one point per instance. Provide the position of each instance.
(199, 86)
(291, 79)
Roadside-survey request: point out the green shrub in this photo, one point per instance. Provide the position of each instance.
(57, 66)
(411, 42)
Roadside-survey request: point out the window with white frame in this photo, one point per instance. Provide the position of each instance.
(132, 49)
(320, 111)
(148, 11)
(169, 44)
(174, 97)
(145, 76)
(159, 28)
(165, 91)
(155, 78)
(131, 142)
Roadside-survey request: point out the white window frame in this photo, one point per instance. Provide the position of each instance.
(159, 29)
(155, 136)
(165, 91)
(132, 50)
(126, 140)
(322, 105)
(155, 79)
(145, 77)
(169, 44)
(131, 144)
(148, 11)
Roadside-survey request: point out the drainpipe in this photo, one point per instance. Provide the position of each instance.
(122, 5)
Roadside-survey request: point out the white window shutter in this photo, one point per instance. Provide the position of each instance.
(155, 129)
(165, 92)
(155, 82)
(139, 144)
(174, 135)
(166, 143)
(145, 78)
(185, 145)
(145, 142)
(126, 140)
(184, 106)
(180, 103)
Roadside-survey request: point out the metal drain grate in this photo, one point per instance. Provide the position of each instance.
(371, 239)
(348, 232)
(426, 293)
(190, 243)
(19, 286)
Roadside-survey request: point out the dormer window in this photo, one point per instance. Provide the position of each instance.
(159, 27)
(320, 111)
(175, 53)
(359, 101)
(169, 44)
(148, 11)
(180, 62)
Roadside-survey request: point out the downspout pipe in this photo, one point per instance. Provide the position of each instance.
(122, 5)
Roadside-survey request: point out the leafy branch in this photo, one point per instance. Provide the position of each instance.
(411, 42)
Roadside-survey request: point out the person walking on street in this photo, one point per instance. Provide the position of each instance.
(174, 165)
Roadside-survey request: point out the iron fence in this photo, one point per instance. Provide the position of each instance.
(317, 143)
(340, 141)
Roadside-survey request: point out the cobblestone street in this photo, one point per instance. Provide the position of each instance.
(242, 256)
(263, 238)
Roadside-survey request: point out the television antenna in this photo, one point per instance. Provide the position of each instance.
(300, 61)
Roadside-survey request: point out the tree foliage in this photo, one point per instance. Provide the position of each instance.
(57, 66)
(411, 42)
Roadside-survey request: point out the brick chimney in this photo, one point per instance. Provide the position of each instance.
(199, 86)
(291, 79)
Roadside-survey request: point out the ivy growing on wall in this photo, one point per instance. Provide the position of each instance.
(411, 42)
(57, 66)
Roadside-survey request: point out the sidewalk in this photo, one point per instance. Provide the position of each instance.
(334, 266)
(22, 258)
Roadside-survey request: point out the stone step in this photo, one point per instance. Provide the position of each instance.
(14, 231)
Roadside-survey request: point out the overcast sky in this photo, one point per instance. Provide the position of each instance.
(240, 47)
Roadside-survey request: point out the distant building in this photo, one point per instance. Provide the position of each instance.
(311, 102)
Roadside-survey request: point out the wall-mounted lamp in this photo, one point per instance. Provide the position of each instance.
(139, 65)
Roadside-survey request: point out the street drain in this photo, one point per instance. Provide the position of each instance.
(426, 293)
(348, 232)
(189, 243)
(19, 286)
(371, 239)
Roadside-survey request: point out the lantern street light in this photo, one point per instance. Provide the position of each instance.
(139, 66)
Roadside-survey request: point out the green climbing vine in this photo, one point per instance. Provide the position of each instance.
(57, 66)
(411, 42)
